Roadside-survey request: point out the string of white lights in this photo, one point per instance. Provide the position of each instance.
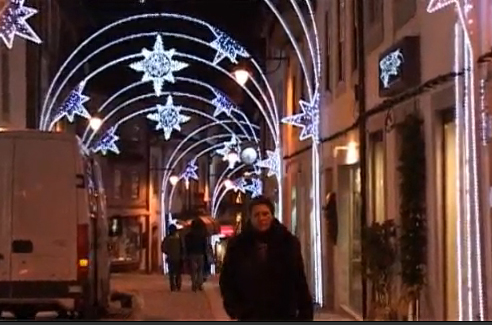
(151, 95)
(271, 105)
(458, 117)
(294, 44)
(219, 184)
(167, 171)
(273, 127)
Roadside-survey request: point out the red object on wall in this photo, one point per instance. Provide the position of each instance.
(227, 230)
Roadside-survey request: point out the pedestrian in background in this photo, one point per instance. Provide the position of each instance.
(196, 248)
(173, 247)
(262, 276)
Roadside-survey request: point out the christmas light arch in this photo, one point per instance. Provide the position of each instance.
(207, 101)
(194, 159)
(308, 119)
(89, 134)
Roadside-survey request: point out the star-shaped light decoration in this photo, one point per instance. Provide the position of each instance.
(107, 142)
(158, 65)
(255, 188)
(231, 146)
(189, 173)
(74, 104)
(226, 47)
(222, 104)
(84, 151)
(308, 120)
(168, 117)
(436, 5)
(272, 163)
(239, 184)
(13, 22)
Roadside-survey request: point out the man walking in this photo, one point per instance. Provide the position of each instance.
(172, 246)
(262, 277)
(196, 248)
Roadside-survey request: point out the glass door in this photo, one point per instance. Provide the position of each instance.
(450, 219)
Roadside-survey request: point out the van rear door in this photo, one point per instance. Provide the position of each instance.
(44, 246)
(6, 159)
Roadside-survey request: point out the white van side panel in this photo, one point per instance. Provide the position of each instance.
(6, 159)
(44, 204)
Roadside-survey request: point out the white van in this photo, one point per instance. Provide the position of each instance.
(53, 227)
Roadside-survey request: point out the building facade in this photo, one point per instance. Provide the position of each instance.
(403, 30)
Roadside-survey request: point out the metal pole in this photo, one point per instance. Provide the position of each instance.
(361, 92)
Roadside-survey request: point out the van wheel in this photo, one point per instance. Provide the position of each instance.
(26, 313)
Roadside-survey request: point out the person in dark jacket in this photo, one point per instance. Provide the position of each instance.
(262, 277)
(196, 248)
(173, 247)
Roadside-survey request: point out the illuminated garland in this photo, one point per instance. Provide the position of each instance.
(88, 138)
(251, 126)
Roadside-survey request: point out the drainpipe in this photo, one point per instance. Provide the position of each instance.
(361, 95)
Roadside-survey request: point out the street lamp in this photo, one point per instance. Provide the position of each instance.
(95, 123)
(241, 75)
(249, 153)
(174, 180)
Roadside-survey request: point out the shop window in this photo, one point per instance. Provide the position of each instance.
(125, 240)
(377, 176)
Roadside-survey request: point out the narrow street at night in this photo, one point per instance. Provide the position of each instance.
(246, 160)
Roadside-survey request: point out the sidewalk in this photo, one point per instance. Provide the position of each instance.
(154, 301)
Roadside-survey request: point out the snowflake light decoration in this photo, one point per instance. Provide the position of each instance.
(272, 163)
(158, 65)
(13, 22)
(436, 5)
(107, 142)
(308, 120)
(231, 146)
(189, 173)
(74, 104)
(168, 117)
(390, 66)
(226, 47)
(222, 104)
(255, 188)
(239, 184)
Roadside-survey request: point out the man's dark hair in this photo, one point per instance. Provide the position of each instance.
(261, 200)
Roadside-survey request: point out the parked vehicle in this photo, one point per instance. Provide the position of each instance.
(53, 227)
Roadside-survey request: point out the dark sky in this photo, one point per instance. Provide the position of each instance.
(241, 19)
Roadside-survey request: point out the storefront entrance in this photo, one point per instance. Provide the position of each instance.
(349, 240)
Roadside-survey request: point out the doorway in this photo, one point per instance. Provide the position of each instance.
(450, 215)
(350, 236)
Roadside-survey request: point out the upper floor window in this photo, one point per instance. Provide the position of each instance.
(374, 11)
(327, 51)
(117, 184)
(135, 185)
(5, 81)
(341, 39)
(355, 31)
